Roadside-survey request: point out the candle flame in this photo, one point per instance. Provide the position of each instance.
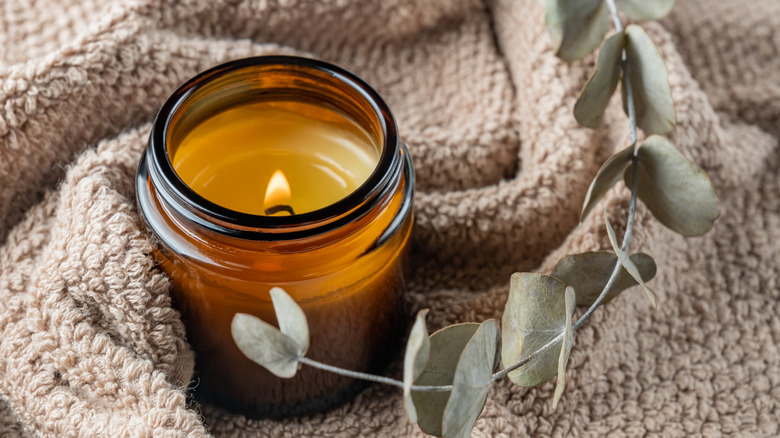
(278, 191)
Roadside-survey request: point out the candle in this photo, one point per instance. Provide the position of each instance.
(262, 156)
(280, 171)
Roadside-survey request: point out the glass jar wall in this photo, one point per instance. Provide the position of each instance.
(342, 262)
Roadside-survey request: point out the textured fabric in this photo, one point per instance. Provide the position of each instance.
(89, 345)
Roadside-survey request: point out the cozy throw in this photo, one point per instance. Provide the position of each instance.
(89, 345)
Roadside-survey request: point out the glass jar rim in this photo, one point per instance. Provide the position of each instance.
(158, 166)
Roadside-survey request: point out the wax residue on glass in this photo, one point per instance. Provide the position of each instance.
(232, 157)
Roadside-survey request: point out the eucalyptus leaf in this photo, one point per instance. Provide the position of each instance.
(590, 106)
(291, 319)
(629, 265)
(649, 83)
(641, 10)
(589, 272)
(534, 315)
(447, 345)
(608, 175)
(471, 383)
(568, 341)
(418, 349)
(576, 27)
(266, 345)
(676, 190)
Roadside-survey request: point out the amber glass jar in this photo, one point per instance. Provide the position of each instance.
(343, 263)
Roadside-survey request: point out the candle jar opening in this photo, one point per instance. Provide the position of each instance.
(335, 239)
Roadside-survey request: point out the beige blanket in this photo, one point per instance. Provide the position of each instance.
(89, 345)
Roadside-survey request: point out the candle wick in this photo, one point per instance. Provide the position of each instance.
(279, 208)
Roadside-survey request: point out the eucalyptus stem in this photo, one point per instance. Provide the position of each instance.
(630, 104)
(610, 282)
(623, 246)
(631, 210)
(368, 377)
(348, 373)
(613, 11)
(612, 278)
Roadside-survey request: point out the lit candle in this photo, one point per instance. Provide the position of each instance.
(236, 157)
(278, 195)
(280, 171)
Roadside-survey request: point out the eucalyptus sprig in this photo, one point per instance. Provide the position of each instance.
(448, 374)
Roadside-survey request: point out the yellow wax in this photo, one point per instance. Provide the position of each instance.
(231, 157)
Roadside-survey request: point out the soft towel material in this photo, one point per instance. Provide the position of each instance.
(89, 345)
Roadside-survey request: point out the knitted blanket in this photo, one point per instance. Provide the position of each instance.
(89, 343)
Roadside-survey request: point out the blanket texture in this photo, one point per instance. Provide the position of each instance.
(89, 345)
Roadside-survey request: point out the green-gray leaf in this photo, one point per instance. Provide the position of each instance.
(471, 382)
(649, 83)
(266, 345)
(418, 349)
(589, 109)
(568, 340)
(291, 319)
(626, 261)
(534, 315)
(576, 26)
(589, 272)
(609, 174)
(676, 190)
(447, 345)
(641, 10)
